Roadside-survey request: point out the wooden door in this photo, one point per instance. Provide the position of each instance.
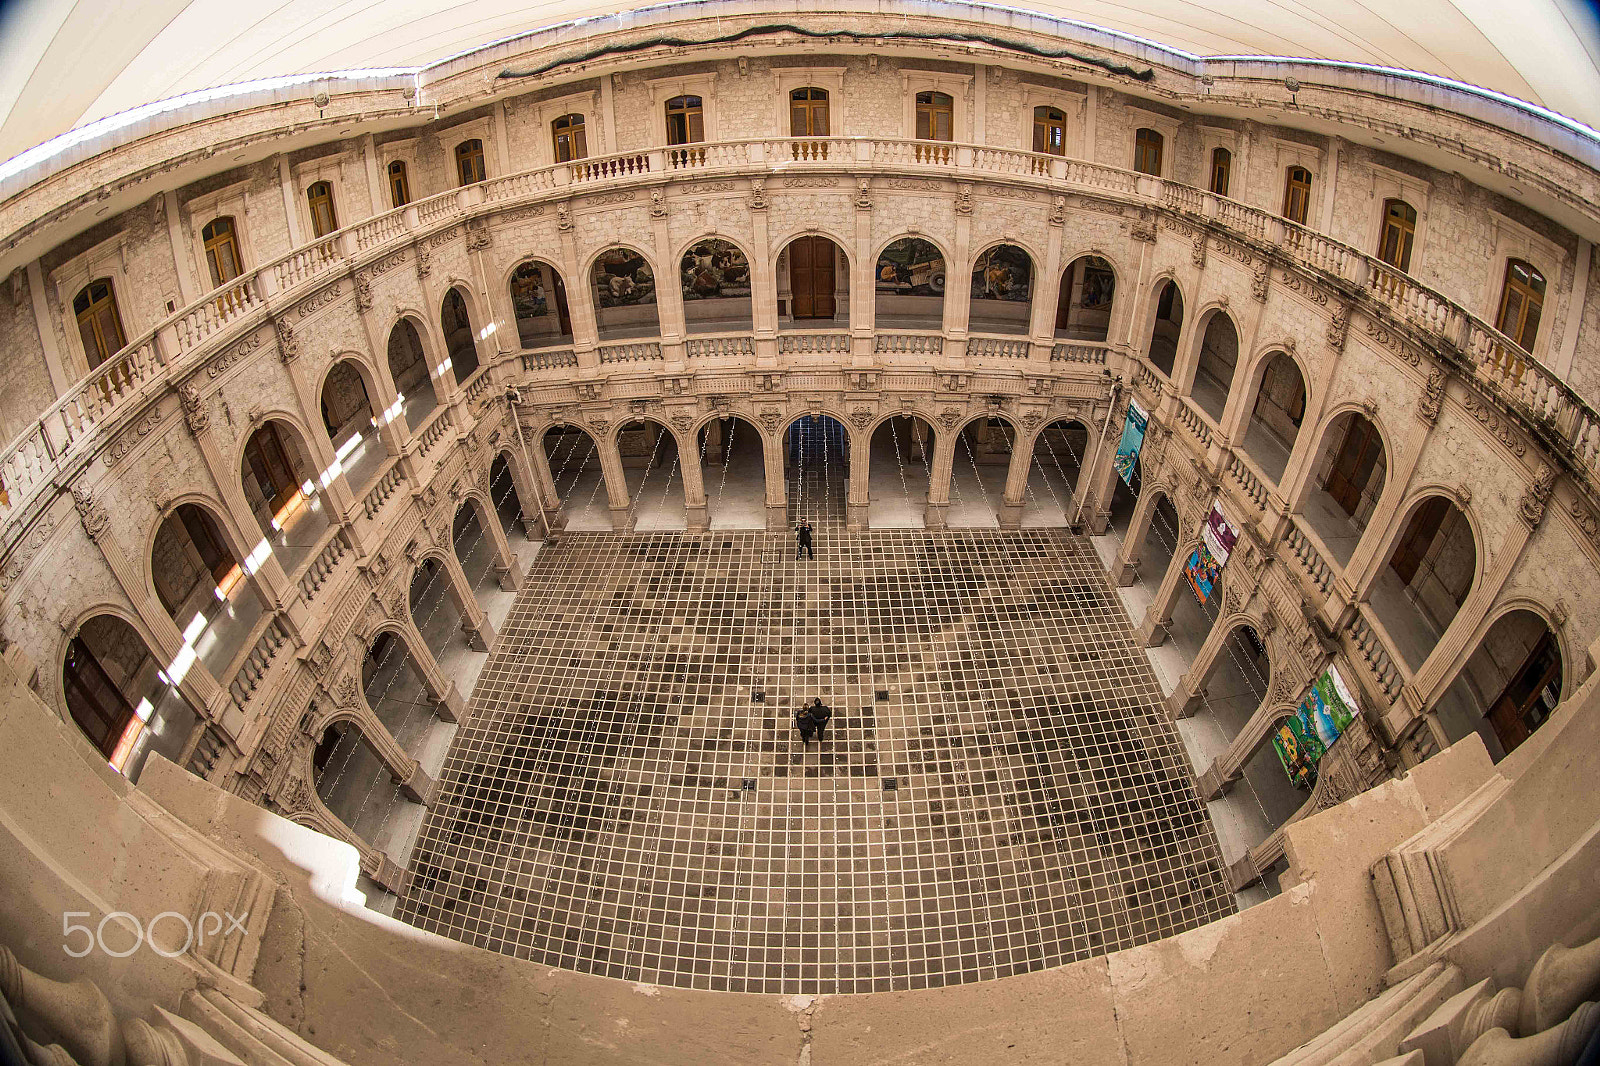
(1418, 537)
(269, 462)
(96, 703)
(811, 277)
(1526, 703)
(1353, 466)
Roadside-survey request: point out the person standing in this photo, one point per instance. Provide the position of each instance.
(812, 719)
(802, 534)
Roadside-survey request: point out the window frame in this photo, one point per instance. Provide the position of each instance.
(579, 129)
(108, 259)
(215, 243)
(311, 201)
(470, 159)
(1537, 297)
(810, 109)
(404, 183)
(691, 107)
(956, 86)
(1143, 148)
(1407, 229)
(664, 89)
(1226, 170)
(1291, 185)
(830, 80)
(937, 103)
(1047, 124)
(93, 321)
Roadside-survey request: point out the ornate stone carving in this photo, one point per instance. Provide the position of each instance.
(863, 201)
(658, 203)
(1197, 253)
(363, 293)
(1284, 686)
(758, 194)
(683, 423)
(399, 605)
(320, 657)
(347, 691)
(588, 390)
(1537, 496)
(1339, 327)
(768, 382)
(478, 239)
(194, 409)
(964, 198)
(1587, 522)
(125, 443)
(1501, 429)
(93, 515)
(1058, 213)
(564, 218)
(950, 416)
(424, 262)
(861, 417)
(1143, 229)
(600, 424)
(288, 346)
(1432, 398)
(1258, 283)
(770, 418)
(1031, 420)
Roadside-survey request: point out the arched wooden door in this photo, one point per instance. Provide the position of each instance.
(811, 277)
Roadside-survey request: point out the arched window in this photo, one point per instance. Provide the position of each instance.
(1297, 195)
(808, 113)
(1221, 170)
(399, 184)
(566, 134)
(685, 120)
(935, 117)
(222, 251)
(1147, 145)
(99, 323)
(323, 218)
(1521, 302)
(469, 162)
(1399, 229)
(1049, 130)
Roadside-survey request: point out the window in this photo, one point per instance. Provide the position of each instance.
(98, 321)
(399, 184)
(1521, 302)
(935, 117)
(222, 251)
(1221, 170)
(469, 162)
(567, 135)
(685, 120)
(1399, 229)
(808, 113)
(1297, 195)
(1049, 130)
(323, 219)
(1147, 145)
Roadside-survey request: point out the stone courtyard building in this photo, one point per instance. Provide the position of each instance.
(401, 639)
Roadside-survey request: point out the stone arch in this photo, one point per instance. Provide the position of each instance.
(911, 281)
(1086, 303)
(1515, 668)
(540, 311)
(510, 506)
(274, 484)
(623, 282)
(1004, 280)
(1279, 395)
(647, 469)
(1347, 479)
(411, 371)
(575, 456)
(1212, 370)
(810, 283)
(1055, 467)
(1421, 581)
(351, 403)
(815, 444)
(231, 567)
(716, 281)
(1166, 322)
(900, 443)
(739, 482)
(456, 317)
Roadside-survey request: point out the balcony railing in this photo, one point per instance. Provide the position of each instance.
(173, 347)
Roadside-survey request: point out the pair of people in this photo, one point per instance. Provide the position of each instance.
(811, 719)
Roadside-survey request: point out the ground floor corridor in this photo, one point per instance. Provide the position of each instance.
(1000, 788)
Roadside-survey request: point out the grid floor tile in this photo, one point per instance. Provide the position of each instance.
(622, 804)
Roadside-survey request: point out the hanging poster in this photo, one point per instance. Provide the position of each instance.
(1321, 719)
(1132, 441)
(1205, 563)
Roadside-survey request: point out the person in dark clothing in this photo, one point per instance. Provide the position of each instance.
(802, 534)
(812, 719)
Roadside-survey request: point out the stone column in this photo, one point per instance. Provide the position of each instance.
(669, 291)
(858, 484)
(475, 624)
(406, 771)
(580, 294)
(344, 507)
(1122, 571)
(543, 483)
(1366, 561)
(616, 482)
(1228, 767)
(958, 292)
(507, 570)
(694, 486)
(944, 454)
(1015, 496)
(864, 289)
(450, 705)
(1186, 694)
(777, 484)
(1092, 500)
(763, 279)
(1046, 295)
(1158, 616)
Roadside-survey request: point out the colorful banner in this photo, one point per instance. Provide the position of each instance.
(1321, 719)
(1206, 562)
(1132, 441)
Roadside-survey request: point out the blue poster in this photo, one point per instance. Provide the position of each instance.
(1132, 441)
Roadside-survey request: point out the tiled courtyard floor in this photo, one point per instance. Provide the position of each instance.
(999, 790)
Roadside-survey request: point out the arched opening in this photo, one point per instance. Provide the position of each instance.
(539, 301)
(1002, 291)
(1352, 465)
(99, 321)
(118, 693)
(508, 505)
(813, 284)
(444, 616)
(223, 258)
(352, 425)
(899, 471)
(1148, 149)
(734, 471)
(408, 368)
(1124, 498)
(1509, 685)
(655, 484)
(395, 684)
(1154, 543)
(357, 788)
(576, 474)
(624, 295)
(909, 282)
(281, 485)
(461, 343)
(568, 139)
(203, 585)
(1276, 415)
(1431, 568)
(816, 462)
(1219, 357)
(1168, 325)
(715, 276)
(475, 551)
(978, 472)
(1088, 288)
(1058, 454)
